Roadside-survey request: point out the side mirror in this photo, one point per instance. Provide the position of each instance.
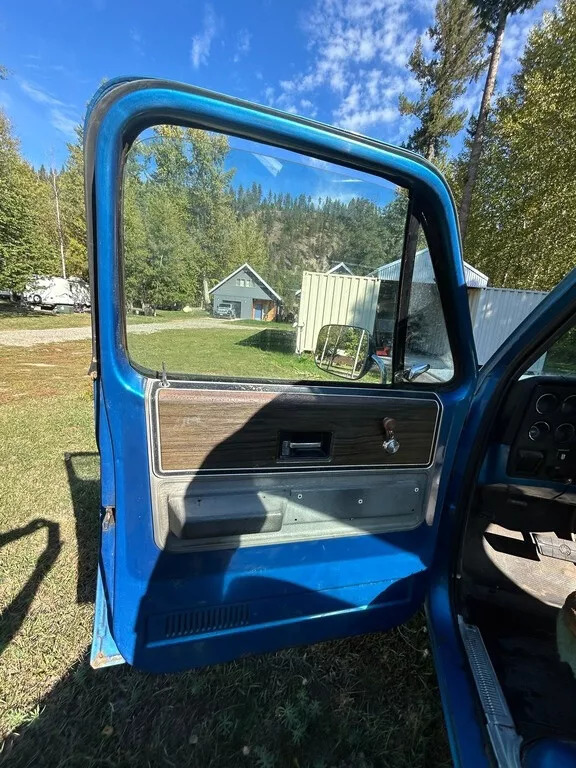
(344, 350)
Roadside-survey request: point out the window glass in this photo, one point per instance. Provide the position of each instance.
(560, 359)
(427, 341)
(237, 254)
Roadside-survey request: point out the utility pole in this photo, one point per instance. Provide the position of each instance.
(58, 221)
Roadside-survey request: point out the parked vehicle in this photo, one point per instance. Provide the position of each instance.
(57, 293)
(225, 309)
(243, 515)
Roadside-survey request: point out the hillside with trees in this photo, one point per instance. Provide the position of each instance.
(187, 224)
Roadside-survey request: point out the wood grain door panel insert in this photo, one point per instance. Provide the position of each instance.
(231, 429)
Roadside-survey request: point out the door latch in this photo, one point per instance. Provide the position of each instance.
(390, 444)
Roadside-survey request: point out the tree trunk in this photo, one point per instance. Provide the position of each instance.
(476, 150)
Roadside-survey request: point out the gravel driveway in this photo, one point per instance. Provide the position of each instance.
(57, 335)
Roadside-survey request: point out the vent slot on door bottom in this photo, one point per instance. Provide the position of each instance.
(198, 622)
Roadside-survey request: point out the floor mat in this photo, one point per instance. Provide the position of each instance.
(539, 688)
(507, 560)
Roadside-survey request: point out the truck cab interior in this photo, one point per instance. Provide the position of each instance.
(516, 566)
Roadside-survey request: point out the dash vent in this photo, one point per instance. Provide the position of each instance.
(203, 620)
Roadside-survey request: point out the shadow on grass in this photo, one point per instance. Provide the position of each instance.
(82, 470)
(83, 479)
(271, 340)
(367, 702)
(14, 614)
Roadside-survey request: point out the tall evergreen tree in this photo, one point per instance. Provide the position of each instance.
(457, 58)
(494, 15)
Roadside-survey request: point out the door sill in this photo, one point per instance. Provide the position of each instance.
(505, 741)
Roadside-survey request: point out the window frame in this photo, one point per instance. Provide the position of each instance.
(129, 109)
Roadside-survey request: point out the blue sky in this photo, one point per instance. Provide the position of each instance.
(340, 61)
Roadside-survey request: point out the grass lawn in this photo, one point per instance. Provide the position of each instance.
(267, 352)
(360, 703)
(13, 318)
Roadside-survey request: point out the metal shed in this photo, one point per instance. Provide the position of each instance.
(498, 312)
(424, 271)
(337, 299)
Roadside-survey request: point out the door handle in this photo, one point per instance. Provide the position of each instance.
(300, 446)
(293, 447)
(304, 446)
(390, 444)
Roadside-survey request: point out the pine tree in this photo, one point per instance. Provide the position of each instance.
(457, 58)
(494, 15)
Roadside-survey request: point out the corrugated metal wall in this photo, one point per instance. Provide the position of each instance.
(498, 312)
(334, 299)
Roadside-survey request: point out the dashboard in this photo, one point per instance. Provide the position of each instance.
(540, 427)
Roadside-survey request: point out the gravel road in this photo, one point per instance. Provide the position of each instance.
(57, 335)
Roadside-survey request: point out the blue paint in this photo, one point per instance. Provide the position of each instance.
(299, 592)
(104, 651)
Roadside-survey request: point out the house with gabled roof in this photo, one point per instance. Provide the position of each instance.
(245, 295)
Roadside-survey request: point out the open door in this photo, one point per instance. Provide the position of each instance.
(251, 500)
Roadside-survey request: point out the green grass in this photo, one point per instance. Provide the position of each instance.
(229, 352)
(265, 353)
(13, 318)
(359, 703)
(262, 324)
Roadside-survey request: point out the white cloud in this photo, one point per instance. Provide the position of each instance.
(37, 94)
(137, 41)
(202, 42)
(470, 101)
(242, 44)
(427, 43)
(358, 56)
(359, 51)
(61, 115)
(308, 108)
(63, 122)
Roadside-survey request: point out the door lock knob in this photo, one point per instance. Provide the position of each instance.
(390, 444)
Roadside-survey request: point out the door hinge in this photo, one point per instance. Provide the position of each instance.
(93, 370)
(109, 519)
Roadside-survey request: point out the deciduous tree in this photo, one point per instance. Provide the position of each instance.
(522, 229)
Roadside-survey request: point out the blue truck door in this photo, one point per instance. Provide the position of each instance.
(244, 551)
